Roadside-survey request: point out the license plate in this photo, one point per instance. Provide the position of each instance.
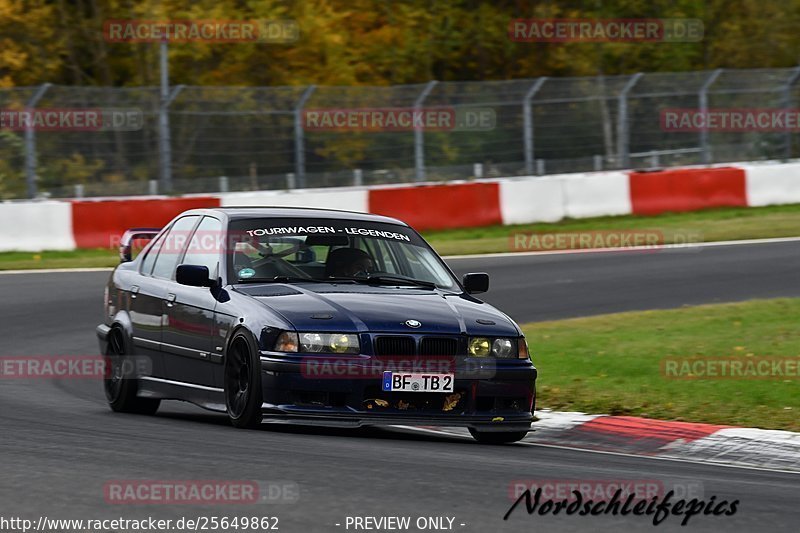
(407, 382)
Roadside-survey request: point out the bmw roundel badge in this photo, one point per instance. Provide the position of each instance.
(413, 323)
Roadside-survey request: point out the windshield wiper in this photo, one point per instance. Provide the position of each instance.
(390, 280)
(279, 279)
(370, 280)
(295, 279)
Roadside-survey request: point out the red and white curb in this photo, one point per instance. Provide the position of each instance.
(687, 441)
(99, 222)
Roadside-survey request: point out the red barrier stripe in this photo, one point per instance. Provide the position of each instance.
(440, 206)
(687, 190)
(100, 224)
(645, 428)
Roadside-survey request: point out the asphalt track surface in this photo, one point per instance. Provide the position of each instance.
(59, 443)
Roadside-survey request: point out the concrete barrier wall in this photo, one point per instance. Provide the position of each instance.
(347, 199)
(35, 226)
(100, 223)
(532, 199)
(598, 194)
(687, 189)
(772, 184)
(56, 225)
(431, 207)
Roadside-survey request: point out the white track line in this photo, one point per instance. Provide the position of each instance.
(55, 270)
(709, 244)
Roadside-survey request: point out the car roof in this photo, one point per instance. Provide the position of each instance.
(239, 213)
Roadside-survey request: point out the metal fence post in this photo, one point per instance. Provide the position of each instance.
(787, 105)
(30, 143)
(299, 139)
(703, 104)
(527, 123)
(164, 132)
(419, 136)
(163, 122)
(623, 131)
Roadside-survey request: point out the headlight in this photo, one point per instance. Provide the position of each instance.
(503, 348)
(479, 347)
(287, 342)
(343, 343)
(311, 342)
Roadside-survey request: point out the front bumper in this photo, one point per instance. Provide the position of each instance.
(489, 397)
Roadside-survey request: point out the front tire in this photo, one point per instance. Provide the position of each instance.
(497, 437)
(243, 383)
(121, 391)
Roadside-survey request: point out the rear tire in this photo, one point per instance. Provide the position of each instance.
(243, 383)
(497, 437)
(121, 391)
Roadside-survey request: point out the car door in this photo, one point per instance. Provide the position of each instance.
(146, 310)
(157, 274)
(189, 313)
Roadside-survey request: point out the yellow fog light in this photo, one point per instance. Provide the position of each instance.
(342, 343)
(479, 347)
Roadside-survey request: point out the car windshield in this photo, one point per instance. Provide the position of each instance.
(328, 250)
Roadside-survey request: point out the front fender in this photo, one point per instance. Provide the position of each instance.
(121, 320)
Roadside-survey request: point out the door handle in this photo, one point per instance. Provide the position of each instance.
(134, 291)
(171, 299)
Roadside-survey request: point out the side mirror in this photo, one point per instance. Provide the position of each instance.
(476, 282)
(193, 276)
(126, 242)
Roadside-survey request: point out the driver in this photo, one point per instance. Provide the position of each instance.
(347, 262)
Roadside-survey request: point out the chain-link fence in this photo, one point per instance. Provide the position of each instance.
(211, 139)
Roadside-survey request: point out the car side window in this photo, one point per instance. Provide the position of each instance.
(173, 246)
(150, 258)
(204, 247)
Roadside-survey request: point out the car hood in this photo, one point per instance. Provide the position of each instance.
(330, 307)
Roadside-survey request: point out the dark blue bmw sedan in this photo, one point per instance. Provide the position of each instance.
(310, 316)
